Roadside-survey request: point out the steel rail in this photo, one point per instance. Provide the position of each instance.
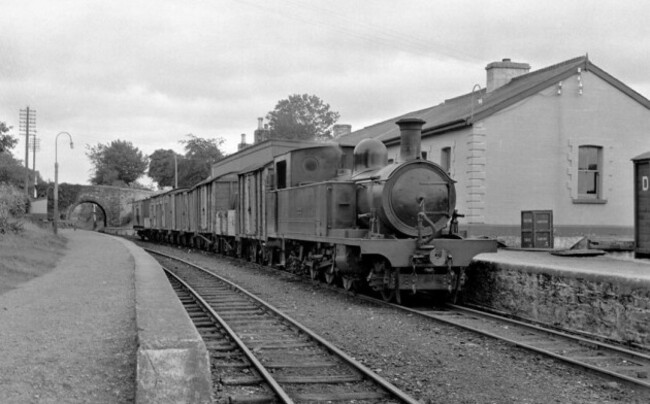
(552, 331)
(277, 389)
(348, 359)
(562, 335)
(571, 337)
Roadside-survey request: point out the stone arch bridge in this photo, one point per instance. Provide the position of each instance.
(114, 202)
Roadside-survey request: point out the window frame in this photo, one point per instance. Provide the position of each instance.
(445, 157)
(585, 167)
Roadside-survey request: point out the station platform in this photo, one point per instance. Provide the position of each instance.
(103, 326)
(607, 296)
(602, 266)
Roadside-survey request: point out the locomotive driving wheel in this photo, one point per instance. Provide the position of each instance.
(389, 289)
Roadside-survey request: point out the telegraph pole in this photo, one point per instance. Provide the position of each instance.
(175, 171)
(28, 124)
(36, 146)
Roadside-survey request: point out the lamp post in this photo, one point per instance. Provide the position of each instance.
(56, 179)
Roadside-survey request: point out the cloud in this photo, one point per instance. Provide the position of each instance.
(153, 71)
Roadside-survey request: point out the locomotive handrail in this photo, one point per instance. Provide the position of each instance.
(422, 216)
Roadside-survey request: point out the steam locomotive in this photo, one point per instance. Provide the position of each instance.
(340, 213)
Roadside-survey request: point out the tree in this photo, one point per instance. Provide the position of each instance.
(197, 148)
(117, 163)
(7, 142)
(200, 154)
(161, 167)
(12, 171)
(304, 117)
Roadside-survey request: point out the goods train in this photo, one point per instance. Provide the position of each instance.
(345, 214)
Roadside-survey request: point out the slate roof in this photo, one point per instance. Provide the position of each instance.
(466, 109)
(644, 156)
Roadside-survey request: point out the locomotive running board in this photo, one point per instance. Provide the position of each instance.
(464, 250)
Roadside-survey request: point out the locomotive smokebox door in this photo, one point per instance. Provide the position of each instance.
(642, 205)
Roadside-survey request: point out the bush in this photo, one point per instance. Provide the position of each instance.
(13, 204)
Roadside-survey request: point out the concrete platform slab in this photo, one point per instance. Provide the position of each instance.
(172, 361)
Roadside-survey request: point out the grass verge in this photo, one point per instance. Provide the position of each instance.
(28, 254)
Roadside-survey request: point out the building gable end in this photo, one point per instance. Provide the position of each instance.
(619, 85)
(560, 76)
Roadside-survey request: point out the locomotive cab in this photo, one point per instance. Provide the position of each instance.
(311, 165)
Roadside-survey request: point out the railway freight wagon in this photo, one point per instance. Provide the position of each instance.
(339, 213)
(160, 216)
(213, 223)
(141, 219)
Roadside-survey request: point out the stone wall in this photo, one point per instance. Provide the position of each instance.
(610, 306)
(114, 201)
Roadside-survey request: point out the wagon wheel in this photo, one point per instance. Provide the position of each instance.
(390, 290)
(330, 274)
(262, 255)
(348, 283)
(313, 273)
(293, 264)
(250, 252)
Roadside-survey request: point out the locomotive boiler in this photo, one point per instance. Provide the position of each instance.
(338, 213)
(408, 207)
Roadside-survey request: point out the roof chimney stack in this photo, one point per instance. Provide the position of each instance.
(341, 130)
(243, 144)
(500, 73)
(262, 132)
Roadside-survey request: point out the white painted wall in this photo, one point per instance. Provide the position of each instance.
(531, 156)
(532, 153)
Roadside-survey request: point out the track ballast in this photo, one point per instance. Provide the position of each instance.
(260, 355)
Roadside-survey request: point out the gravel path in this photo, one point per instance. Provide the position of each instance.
(433, 362)
(69, 336)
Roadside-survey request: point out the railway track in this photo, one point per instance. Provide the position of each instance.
(619, 363)
(260, 355)
(614, 361)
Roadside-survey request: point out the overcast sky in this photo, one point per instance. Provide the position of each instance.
(152, 71)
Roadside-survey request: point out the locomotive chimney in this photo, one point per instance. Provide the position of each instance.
(411, 138)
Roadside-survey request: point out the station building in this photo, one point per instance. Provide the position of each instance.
(558, 139)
